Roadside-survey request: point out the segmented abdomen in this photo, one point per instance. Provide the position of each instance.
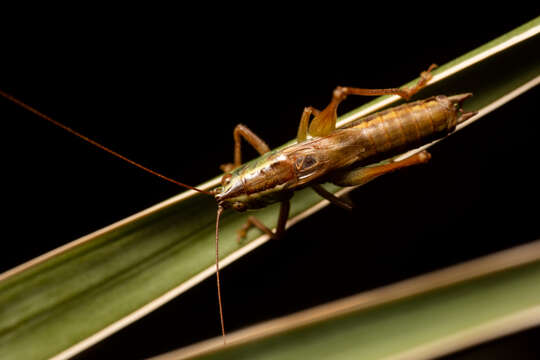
(405, 126)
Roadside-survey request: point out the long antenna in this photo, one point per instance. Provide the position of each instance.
(219, 211)
(102, 147)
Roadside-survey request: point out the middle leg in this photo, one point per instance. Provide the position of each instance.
(331, 197)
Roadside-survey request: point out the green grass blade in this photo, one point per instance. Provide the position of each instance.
(69, 299)
(420, 318)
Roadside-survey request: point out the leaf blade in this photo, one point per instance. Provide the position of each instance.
(55, 294)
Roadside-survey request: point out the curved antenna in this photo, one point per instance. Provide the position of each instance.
(102, 147)
(219, 211)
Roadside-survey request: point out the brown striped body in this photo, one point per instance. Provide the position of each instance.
(403, 127)
(370, 139)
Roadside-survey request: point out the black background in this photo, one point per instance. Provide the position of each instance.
(168, 94)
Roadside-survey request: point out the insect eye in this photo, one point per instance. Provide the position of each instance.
(226, 179)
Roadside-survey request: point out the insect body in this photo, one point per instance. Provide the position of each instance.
(333, 158)
(340, 156)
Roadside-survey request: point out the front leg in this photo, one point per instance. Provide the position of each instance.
(254, 222)
(242, 131)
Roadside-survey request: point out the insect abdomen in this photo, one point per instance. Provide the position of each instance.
(405, 126)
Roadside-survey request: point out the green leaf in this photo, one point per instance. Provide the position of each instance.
(76, 295)
(423, 317)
